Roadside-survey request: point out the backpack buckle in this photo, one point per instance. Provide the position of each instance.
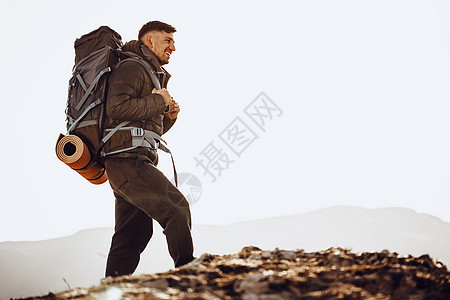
(137, 132)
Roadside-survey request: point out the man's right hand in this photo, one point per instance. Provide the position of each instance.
(164, 93)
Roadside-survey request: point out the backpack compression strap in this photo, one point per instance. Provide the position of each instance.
(87, 93)
(89, 90)
(91, 106)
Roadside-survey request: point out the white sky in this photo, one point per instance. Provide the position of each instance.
(363, 85)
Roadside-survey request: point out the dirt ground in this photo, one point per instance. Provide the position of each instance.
(255, 274)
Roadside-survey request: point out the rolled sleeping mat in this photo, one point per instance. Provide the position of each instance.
(72, 151)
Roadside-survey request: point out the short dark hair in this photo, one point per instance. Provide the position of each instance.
(155, 26)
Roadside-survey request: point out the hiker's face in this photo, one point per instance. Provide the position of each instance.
(162, 44)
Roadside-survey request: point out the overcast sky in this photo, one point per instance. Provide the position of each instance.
(354, 110)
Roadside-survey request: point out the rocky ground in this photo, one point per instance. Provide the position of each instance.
(282, 274)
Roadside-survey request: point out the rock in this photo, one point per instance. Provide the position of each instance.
(255, 274)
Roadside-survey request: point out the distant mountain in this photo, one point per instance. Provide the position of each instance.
(36, 268)
(396, 229)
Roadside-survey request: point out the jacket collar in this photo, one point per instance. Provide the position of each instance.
(140, 49)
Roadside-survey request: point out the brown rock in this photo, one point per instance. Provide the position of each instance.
(252, 273)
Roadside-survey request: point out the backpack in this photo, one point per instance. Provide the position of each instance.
(96, 55)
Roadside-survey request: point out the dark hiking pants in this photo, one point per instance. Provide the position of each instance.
(144, 193)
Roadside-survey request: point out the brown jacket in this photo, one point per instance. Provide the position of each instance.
(130, 98)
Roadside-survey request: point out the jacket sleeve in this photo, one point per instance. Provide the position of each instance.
(167, 123)
(125, 102)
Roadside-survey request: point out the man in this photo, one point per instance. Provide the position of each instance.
(142, 192)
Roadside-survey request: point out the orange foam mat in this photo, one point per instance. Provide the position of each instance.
(72, 151)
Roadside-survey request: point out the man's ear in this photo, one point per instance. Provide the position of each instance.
(149, 43)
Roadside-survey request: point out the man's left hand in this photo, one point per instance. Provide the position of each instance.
(174, 109)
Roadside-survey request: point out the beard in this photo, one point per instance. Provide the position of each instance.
(162, 57)
(163, 61)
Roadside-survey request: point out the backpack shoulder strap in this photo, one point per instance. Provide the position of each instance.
(134, 57)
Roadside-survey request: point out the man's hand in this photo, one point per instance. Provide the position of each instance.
(164, 93)
(174, 110)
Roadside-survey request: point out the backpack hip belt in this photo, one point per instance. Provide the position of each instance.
(141, 138)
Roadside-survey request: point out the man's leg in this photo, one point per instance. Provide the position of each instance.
(133, 230)
(143, 185)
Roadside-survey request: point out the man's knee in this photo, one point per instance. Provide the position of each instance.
(123, 242)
